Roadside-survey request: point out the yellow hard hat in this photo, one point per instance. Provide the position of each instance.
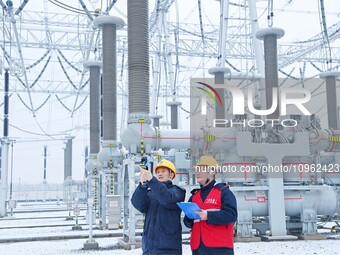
(207, 161)
(168, 164)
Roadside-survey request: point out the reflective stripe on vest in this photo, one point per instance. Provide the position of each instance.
(211, 235)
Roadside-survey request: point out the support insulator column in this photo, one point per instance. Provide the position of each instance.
(92, 166)
(270, 36)
(94, 67)
(219, 73)
(45, 179)
(332, 108)
(174, 113)
(6, 105)
(155, 120)
(109, 26)
(86, 152)
(68, 158)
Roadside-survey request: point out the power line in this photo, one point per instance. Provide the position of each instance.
(77, 11)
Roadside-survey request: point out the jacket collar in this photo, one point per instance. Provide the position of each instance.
(209, 186)
(168, 183)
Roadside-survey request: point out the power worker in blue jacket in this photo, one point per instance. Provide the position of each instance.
(156, 197)
(213, 233)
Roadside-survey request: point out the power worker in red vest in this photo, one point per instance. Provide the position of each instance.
(213, 233)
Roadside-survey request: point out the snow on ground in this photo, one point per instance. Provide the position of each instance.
(40, 222)
(50, 231)
(108, 245)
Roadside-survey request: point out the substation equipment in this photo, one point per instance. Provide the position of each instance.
(277, 205)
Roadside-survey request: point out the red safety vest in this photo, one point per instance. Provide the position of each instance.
(218, 236)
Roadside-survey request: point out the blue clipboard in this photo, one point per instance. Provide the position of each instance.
(189, 209)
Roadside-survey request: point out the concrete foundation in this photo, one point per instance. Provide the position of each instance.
(312, 237)
(103, 226)
(247, 239)
(279, 238)
(114, 226)
(128, 245)
(77, 227)
(91, 245)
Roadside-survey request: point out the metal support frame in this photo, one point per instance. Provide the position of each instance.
(308, 219)
(4, 151)
(258, 52)
(224, 9)
(45, 179)
(274, 154)
(129, 225)
(4, 177)
(102, 199)
(167, 55)
(244, 223)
